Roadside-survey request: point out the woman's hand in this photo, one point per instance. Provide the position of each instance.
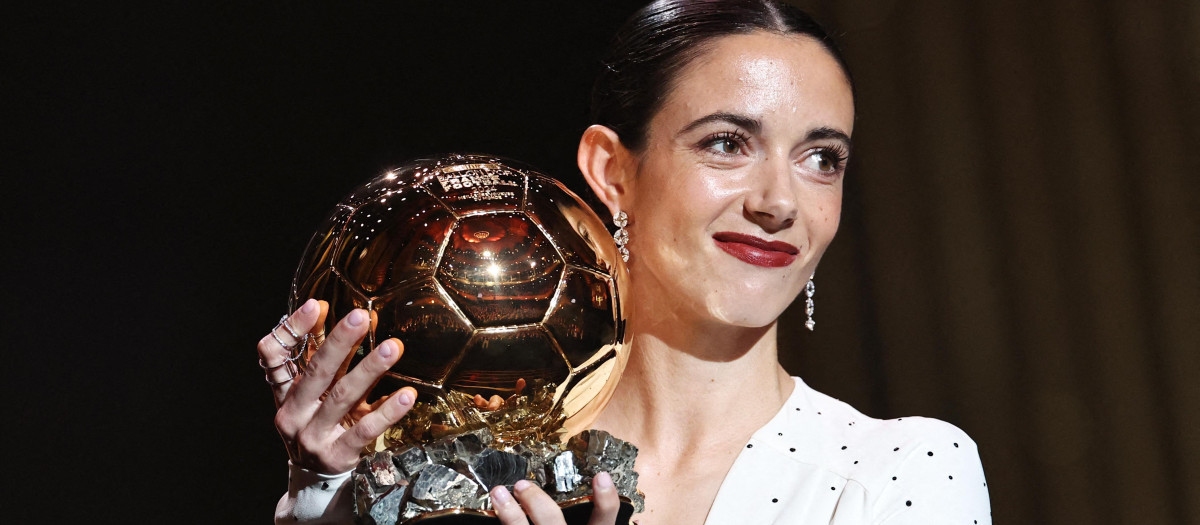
(532, 503)
(312, 407)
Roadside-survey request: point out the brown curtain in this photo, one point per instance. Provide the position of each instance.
(1020, 246)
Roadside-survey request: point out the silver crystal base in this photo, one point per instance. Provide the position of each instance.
(448, 480)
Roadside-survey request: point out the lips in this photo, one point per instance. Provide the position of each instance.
(759, 252)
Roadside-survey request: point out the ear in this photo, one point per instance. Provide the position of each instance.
(605, 164)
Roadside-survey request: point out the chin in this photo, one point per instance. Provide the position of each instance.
(748, 314)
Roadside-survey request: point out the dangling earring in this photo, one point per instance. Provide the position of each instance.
(809, 306)
(620, 220)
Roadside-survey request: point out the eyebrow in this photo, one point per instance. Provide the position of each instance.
(826, 132)
(754, 126)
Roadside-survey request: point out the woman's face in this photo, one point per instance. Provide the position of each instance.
(739, 188)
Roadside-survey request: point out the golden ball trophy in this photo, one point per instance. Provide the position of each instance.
(506, 290)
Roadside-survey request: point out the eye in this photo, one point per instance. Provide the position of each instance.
(725, 143)
(726, 146)
(826, 160)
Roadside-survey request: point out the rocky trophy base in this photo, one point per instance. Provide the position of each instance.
(447, 481)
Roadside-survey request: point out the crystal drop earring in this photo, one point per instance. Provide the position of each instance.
(809, 306)
(620, 220)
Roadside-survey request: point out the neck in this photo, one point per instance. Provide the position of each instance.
(686, 387)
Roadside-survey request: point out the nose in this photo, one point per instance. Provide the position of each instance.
(771, 202)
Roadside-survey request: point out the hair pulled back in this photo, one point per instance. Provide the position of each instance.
(657, 42)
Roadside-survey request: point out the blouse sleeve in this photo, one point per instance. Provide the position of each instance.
(313, 498)
(939, 481)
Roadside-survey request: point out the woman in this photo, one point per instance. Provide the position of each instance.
(722, 133)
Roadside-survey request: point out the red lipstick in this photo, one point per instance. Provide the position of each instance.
(759, 252)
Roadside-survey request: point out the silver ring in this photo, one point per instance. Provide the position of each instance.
(266, 368)
(283, 321)
(290, 368)
(285, 346)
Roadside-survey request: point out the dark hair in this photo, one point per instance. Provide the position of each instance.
(659, 40)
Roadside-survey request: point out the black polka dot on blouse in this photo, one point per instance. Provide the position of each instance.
(908, 503)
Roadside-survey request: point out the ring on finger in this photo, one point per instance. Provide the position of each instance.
(283, 321)
(285, 346)
(270, 369)
(288, 365)
(294, 353)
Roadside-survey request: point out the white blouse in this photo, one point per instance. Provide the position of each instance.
(817, 461)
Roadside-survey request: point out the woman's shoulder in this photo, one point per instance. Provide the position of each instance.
(843, 420)
(899, 463)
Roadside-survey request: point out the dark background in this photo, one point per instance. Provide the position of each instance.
(1018, 252)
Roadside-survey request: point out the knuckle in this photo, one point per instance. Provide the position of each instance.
(338, 393)
(367, 430)
(307, 443)
(375, 366)
(316, 368)
(284, 424)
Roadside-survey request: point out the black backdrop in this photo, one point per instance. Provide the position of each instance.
(170, 164)
(1017, 254)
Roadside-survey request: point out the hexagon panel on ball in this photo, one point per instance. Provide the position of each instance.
(500, 270)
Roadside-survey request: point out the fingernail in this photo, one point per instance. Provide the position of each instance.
(387, 349)
(357, 318)
(603, 481)
(405, 398)
(522, 485)
(500, 495)
(309, 307)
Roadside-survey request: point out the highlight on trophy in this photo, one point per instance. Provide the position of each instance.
(505, 289)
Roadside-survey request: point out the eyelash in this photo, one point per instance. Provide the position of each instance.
(736, 137)
(836, 154)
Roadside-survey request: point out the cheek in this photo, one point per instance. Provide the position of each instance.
(825, 217)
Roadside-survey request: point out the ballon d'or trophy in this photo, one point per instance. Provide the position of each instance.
(506, 290)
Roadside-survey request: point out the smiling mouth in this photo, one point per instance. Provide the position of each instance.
(756, 251)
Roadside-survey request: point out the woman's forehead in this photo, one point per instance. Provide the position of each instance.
(763, 75)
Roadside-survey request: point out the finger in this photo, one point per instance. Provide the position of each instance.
(540, 507)
(604, 500)
(495, 402)
(507, 509)
(273, 355)
(351, 388)
(350, 356)
(350, 444)
(320, 370)
(273, 348)
(318, 330)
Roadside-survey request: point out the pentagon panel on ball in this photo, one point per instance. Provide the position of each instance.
(498, 281)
